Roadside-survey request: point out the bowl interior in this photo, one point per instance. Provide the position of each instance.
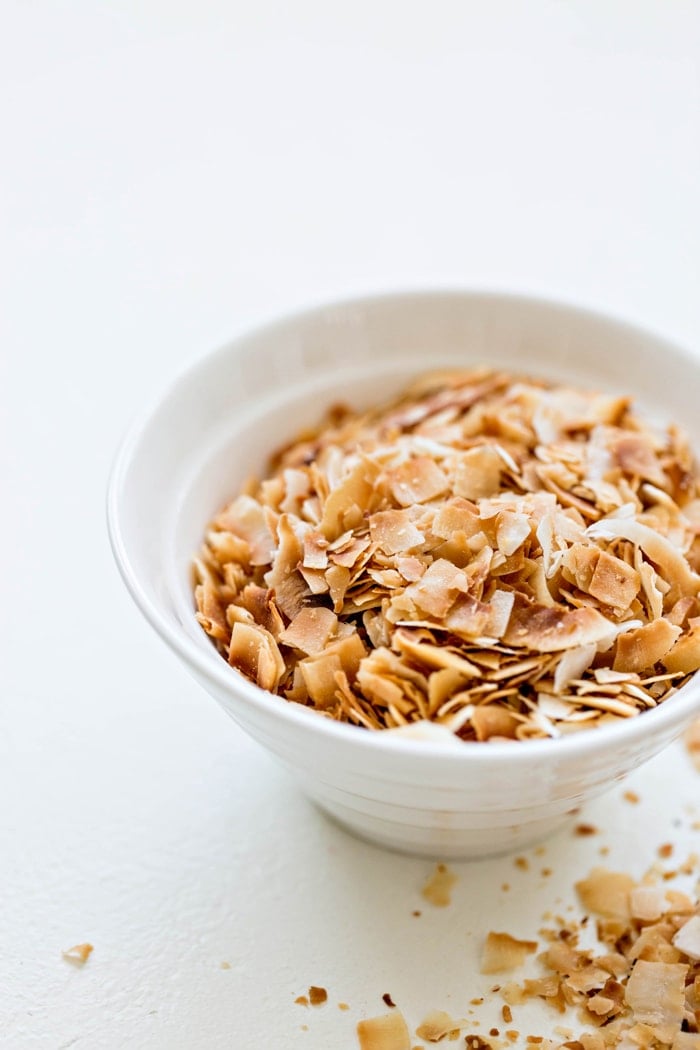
(220, 421)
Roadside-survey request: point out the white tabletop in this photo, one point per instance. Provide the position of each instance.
(172, 173)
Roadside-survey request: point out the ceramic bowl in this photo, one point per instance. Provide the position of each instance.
(217, 423)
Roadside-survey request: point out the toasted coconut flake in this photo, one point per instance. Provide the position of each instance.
(641, 649)
(437, 588)
(254, 651)
(572, 665)
(687, 939)
(78, 954)
(657, 547)
(684, 656)
(647, 903)
(353, 493)
(511, 532)
(387, 1032)
(211, 613)
(494, 721)
(438, 888)
(438, 1024)
(393, 532)
(548, 630)
(418, 480)
(614, 582)
(245, 517)
(478, 473)
(655, 993)
(503, 952)
(606, 892)
(311, 629)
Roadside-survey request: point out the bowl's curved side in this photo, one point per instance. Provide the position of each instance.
(219, 421)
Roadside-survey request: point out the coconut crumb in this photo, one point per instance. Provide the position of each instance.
(317, 996)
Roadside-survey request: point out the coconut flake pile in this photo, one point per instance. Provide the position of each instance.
(503, 557)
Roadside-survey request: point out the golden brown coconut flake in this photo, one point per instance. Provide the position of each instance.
(438, 887)
(502, 952)
(438, 1024)
(486, 539)
(78, 954)
(386, 1032)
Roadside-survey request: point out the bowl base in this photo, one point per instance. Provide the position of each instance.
(443, 843)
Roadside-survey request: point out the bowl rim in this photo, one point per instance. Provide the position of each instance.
(211, 665)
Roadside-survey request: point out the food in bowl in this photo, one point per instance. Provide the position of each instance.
(504, 556)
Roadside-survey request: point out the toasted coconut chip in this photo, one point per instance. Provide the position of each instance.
(494, 721)
(353, 492)
(254, 651)
(393, 532)
(606, 892)
(503, 952)
(261, 605)
(655, 993)
(290, 589)
(648, 903)
(469, 618)
(344, 655)
(656, 547)
(417, 481)
(687, 939)
(226, 547)
(456, 515)
(634, 455)
(311, 629)
(79, 953)
(500, 607)
(512, 531)
(478, 473)
(548, 630)
(684, 656)
(572, 665)
(438, 888)
(315, 551)
(387, 1032)
(438, 1024)
(211, 613)
(437, 588)
(431, 655)
(245, 517)
(614, 582)
(641, 649)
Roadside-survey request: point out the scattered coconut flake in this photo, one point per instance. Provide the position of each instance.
(386, 1032)
(606, 892)
(78, 954)
(438, 1024)
(503, 952)
(438, 888)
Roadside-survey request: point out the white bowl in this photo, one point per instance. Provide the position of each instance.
(217, 423)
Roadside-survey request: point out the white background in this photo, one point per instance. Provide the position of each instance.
(172, 173)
